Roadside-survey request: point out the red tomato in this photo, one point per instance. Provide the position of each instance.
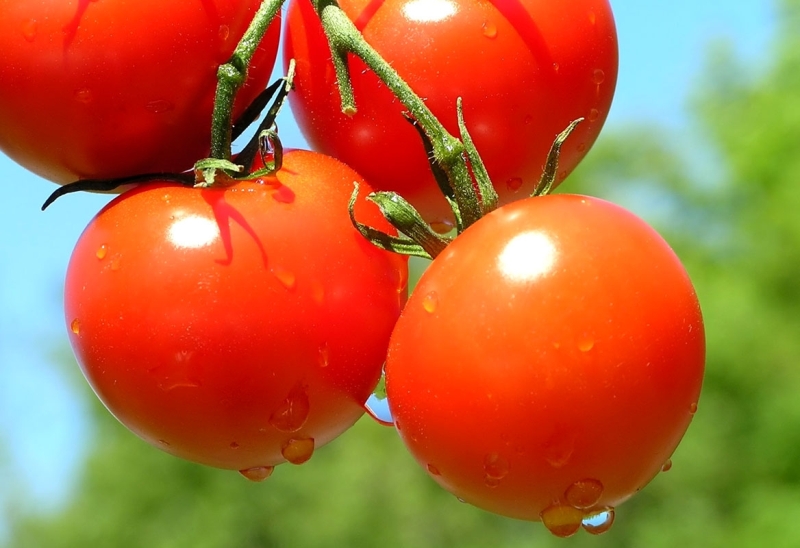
(525, 70)
(549, 361)
(238, 327)
(93, 89)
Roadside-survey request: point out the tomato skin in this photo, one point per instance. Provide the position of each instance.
(557, 340)
(522, 83)
(101, 89)
(198, 315)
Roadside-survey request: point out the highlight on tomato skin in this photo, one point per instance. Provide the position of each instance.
(101, 90)
(241, 326)
(548, 362)
(525, 70)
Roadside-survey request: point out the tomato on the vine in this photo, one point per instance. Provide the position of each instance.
(524, 68)
(97, 90)
(241, 326)
(549, 361)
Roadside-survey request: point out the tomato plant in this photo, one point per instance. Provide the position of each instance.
(549, 361)
(238, 326)
(525, 70)
(97, 90)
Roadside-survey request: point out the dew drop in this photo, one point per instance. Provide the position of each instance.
(433, 470)
(324, 355)
(582, 147)
(166, 198)
(585, 345)
(561, 520)
(292, 413)
(495, 466)
(378, 409)
(598, 76)
(693, 408)
(562, 174)
(29, 30)
(442, 227)
(298, 450)
(84, 96)
(224, 32)
(514, 184)
(584, 493)
(430, 302)
(257, 473)
(667, 466)
(599, 522)
(101, 252)
(286, 278)
(592, 18)
(489, 30)
(159, 106)
(75, 326)
(594, 114)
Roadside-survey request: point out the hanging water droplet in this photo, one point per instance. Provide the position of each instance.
(29, 30)
(378, 409)
(584, 493)
(292, 414)
(693, 408)
(561, 520)
(495, 468)
(667, 466)
(598, 76)
(514, 184)
(489, 30)
(594, 114)
(101, 252)
(298, 450)
(257, 473)
(285, 277)
(430, 302)
(585, 345)
(599, 522)
(433, 470)
(159, 106)
(75, 326)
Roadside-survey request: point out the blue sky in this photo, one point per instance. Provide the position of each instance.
(42, 431)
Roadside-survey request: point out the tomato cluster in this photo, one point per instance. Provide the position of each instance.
(547, 363)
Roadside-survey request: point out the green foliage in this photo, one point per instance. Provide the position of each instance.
(736, 479)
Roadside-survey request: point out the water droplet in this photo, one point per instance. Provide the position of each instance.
(101, 252)
(75, 326)
(234, 445)
(166, 198)
(430, 302)
(257, 473)
(599, 522)
(559, 450)
(433, 470)
(495, 468)
(298, 450)
(224, 32)
(165, 443)
(286, 278)
(561, 520)
(562, 174)
(84, 96)
(514, 184)
(584, 493)
(29, 30)
(292, 414)
(324, 355)
(582, 147)
(592, 18)
(159, 106)
(585, 345)
(598, 76)
(693, 408)
(378, 409)
(556, 67)
(489, 30)
(442, 227)
(667, 466)
(283, 194)
(594, 114)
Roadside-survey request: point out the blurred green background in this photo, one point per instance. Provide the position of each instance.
(727, 199)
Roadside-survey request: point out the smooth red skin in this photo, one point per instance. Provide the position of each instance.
(504, 366)
(133, 79)
(194, 349)
(515, 100)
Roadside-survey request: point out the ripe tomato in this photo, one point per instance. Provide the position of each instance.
(525, 70)
(238, 327)
(549, 360)
(101, 89)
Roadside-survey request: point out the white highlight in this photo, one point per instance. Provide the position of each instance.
(528, 256)
(193, 232)
(429, 11)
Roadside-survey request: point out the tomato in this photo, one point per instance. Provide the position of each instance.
(239, 327)
(525, 70)
(549, 361)
(94, 90)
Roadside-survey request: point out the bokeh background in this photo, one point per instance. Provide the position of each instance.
(703, 141)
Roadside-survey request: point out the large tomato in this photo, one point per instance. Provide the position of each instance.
(99, 89)
(238, 327)
(549, 361)
(525, 69)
